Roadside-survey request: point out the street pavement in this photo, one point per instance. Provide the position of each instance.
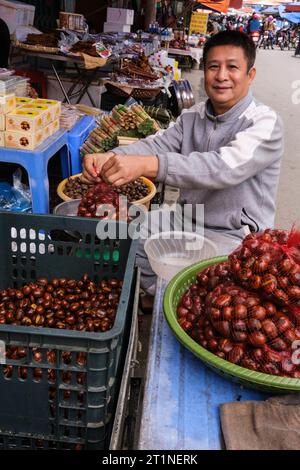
(276, 84)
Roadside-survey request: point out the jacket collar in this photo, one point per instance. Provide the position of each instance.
(233, 113)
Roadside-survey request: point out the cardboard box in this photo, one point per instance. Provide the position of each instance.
(2, 122)
(120, 15)
(55, 126)
(25, 121)
(23, 140)
(16, 14)
(116, 28)
(2, 139)
(47, 111)
(47, 131)
(7, 103)
(54, 105)
(20, 101)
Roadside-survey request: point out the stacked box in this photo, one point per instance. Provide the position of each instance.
(54, 105)
(31, 123)
(21, 100)
(7, 103)
(118, 20)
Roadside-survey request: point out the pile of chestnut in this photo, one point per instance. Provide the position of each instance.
(234, 309)
(75, 188)
(62, 303)
(100, 194)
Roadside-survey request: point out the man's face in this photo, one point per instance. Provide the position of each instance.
(226, 78)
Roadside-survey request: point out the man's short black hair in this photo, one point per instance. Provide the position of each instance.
(232, 38)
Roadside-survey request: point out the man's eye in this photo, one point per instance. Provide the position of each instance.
(213, 66)
(232, 66)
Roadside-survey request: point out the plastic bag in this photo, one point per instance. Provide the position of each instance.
(68, 39)
(16, 198)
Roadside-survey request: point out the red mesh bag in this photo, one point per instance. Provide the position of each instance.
(269, 263)
(246, 329)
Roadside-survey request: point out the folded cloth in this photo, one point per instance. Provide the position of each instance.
(273, 424)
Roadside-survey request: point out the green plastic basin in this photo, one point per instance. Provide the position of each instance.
(258, 380)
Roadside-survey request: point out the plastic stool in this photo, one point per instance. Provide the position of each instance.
(76, 136)
(36, 78)
(35, 163)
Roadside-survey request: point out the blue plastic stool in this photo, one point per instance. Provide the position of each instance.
(35, 163)
(76, 136)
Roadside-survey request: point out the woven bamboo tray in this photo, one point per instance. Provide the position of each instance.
(37, 48)
(127, 90)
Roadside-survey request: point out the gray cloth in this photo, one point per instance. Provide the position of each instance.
(230, 163)
(273, 424)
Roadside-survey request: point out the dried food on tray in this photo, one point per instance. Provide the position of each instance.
(87, 47)
(44, 39)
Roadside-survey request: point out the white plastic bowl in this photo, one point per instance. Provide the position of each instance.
(170, 252)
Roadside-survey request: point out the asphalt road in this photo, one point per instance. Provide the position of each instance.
(277, 84)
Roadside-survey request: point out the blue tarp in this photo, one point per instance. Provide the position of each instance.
(293, 17)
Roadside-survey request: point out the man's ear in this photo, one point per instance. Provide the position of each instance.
(251, 74)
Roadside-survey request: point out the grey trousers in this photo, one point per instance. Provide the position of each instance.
(160, 221)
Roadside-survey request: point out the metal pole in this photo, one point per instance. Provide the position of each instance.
(60, 84)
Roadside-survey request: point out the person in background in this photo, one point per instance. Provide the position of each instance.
(253, 24)
(4, 44)
(270, 27)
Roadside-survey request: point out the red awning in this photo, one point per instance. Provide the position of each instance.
(218, 5)
(237, 4)
(292, 8)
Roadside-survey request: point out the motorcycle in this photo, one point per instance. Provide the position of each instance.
(255, 36)
(283, 39)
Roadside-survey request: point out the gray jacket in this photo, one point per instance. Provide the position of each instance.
(230, 163)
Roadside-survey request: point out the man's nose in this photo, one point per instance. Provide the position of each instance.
(222, 73)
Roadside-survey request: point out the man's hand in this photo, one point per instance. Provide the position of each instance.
(92, 166)
(121, 169)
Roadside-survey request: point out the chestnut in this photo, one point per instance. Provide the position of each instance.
(249, 363)
(257, 339)
(254, 324)
(240, 312)
(212, 344)
(278, 344)
(283, 323)
(281, 297)
(225, 345)
(269, 328)
(235, 355)
(269, 283)
(221, 354)
(270, 368)
(258, 312)
(270, 309)
(294, 293)
(239, 336)
(223, 327)
(227, 313)
(223, 301)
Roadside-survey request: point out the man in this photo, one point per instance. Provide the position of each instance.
(224, 153)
